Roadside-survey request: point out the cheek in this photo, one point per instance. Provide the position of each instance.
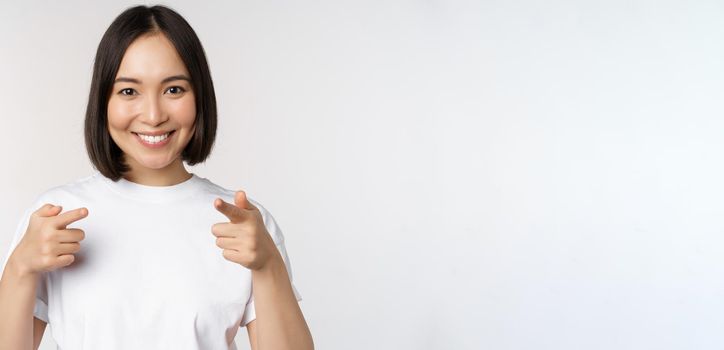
(119, 114)
(184, 110)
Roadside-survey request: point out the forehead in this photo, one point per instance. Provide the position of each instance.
(151, 58)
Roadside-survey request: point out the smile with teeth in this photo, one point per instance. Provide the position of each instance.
(154, 139)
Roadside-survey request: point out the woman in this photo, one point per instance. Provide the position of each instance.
(158, 257)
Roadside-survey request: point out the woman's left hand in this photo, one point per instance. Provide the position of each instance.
(244, 239)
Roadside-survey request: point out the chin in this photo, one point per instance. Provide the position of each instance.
(154, 164)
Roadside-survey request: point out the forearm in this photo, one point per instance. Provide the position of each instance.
(280, 322)
(17, 299)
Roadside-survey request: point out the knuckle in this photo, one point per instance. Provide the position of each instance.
(44, 225)
(46, 260)
(46, 250)
(46, 234)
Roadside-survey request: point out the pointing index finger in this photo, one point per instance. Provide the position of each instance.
(234, 213)
(67, 218)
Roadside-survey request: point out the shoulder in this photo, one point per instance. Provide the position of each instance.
(226, 194)
(69, 191)
(66, 195)
(211, 188)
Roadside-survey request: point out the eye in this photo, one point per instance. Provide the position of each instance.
(127, 92)
(176, 90)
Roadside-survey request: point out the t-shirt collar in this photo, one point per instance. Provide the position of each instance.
(155, 194)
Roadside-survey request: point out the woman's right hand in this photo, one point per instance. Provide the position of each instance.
(47, 244)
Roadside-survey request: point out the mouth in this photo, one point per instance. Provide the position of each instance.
(154, 140)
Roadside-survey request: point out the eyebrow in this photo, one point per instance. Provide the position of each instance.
(164, 81)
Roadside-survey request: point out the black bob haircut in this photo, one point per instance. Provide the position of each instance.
(103, 152)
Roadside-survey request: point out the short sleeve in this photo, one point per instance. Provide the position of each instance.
(276, 233)
(41, 294)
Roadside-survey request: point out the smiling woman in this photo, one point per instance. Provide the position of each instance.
(152, 110)
(150, 71)
(168, 258)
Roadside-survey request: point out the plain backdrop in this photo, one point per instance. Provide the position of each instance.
(448, 174)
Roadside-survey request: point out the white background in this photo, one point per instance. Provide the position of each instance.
(448, 175)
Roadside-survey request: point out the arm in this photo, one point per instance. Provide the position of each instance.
(279, 322)
(251, 329)
(46, 245)
(17, 300)
(38, 331)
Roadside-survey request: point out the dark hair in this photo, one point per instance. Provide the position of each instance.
(104, 153)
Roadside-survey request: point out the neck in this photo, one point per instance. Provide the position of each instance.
(173, 174)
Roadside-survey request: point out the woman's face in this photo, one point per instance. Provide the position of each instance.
(152, 108)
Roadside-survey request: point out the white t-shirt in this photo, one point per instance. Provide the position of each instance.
(149, 274)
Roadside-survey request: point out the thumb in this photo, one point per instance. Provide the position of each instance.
(49, 210)
(241, 200)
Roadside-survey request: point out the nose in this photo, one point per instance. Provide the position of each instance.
(153, 113)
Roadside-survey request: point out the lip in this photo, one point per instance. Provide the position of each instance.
(155, 145)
